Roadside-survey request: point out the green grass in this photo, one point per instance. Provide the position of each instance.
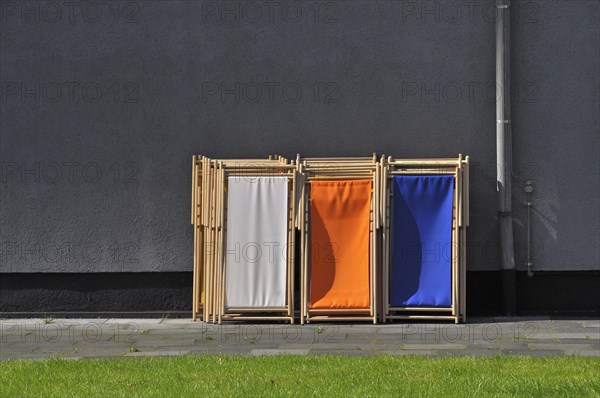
(303, 376)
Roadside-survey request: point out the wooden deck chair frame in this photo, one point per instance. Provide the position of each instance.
(209, 212)
(311, 169)
(459, 168)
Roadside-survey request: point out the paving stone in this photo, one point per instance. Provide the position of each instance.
(167, 331)
(583, 353)
(595, 323)
(434, 346)
(53, 351)
(202, 351)
(149, 321)
(384, 345)
(416, 340)
(469, 353)
(568, 322)
(229, 352)
(542, 336)
(157, 353)
(594, 342)
(30, 356)
(277, 351)
(162, 342)
(364, 328)
(169, 346)
(573, 324)
(316, 346)
(353, 336)
(25, 321)
(534, 353)
(104, 354)
(497, 346)
(385, 337)
(397, 330)
(357, 353)
(217, 350)
(409, 352)
(560, 346)
(593, 332)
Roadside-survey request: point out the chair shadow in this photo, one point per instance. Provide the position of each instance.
(407, 253)
(324, 251)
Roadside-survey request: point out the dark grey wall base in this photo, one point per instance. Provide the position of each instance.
(509, 292)
(118, 294)
(546, 293)
(557, 293)
(154, 295)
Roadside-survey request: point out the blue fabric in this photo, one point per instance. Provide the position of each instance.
(421, 241)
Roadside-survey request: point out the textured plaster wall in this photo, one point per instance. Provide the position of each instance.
(103, 104)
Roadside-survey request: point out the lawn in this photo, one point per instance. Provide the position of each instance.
(303, 376)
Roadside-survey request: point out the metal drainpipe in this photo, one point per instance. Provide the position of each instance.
(528, 190)
(504, 157)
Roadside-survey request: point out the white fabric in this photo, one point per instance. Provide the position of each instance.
(255, 253)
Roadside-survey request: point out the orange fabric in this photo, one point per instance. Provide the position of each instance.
(339, 215)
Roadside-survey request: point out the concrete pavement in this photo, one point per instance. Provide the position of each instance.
(91, 338)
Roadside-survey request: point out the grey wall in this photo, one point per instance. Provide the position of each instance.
(103, 104)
